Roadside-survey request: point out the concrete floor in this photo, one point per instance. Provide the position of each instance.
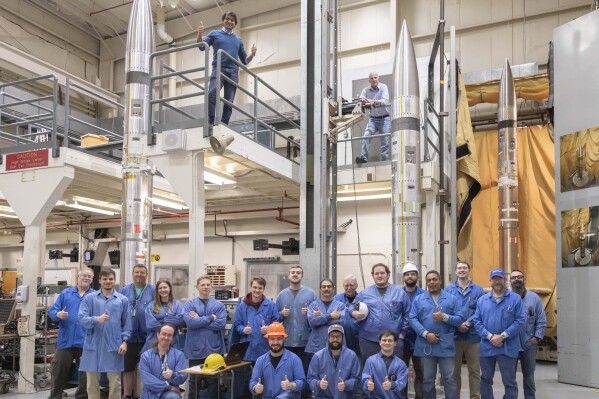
(546, 381)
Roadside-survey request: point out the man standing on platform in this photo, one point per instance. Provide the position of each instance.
(70, 335)
(376, 97)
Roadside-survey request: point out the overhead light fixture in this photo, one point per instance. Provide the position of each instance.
(215, 178)
(219, 144)
(4, 208)
(364, 197)
(103, 204)
(4, 215)
(77, 205)
(168, 204)
(173, 3)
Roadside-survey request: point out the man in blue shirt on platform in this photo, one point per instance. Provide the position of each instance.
(69, 345)
(498, 319)
(224, 39)
(376, 97)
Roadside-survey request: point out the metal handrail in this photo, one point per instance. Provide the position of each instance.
(23, 142)
(219, 100)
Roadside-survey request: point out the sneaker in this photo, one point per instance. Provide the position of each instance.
(361, 160)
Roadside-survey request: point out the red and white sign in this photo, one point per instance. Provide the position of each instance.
(27, 160)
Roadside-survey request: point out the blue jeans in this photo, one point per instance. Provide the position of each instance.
(382, 125)
(230, 89)
(170, 395)
(528, 361)
(446, 366)
(507, 368)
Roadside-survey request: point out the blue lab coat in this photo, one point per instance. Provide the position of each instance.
(296, 325)
(150, 371)
(536, 320)
(138, 306)
(320, 324)
(154, 321)
(102, 340)
(204, 335)
(375, 367)
(350, 326)
(468, 305)
(421, 319)
(388, 313)
(410, 337)
(70, 333)
(267, 313)
(290, 365)
(494, 318)
(347, 367)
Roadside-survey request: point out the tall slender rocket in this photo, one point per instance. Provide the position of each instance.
(405, 154)
(136, 222)
(507, 182)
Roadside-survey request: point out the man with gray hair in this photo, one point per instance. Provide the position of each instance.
(350, 290)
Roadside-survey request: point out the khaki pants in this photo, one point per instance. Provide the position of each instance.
(114, 385)
(471, 352)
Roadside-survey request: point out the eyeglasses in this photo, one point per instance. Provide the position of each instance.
(517, 278)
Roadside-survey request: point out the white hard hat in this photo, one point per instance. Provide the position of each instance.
(409, 267)
(362, 308)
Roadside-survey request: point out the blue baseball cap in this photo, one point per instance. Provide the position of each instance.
(497, 273)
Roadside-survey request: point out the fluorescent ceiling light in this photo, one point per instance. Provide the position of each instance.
(364, 197)
(216, 179)
(76, 205)
(4, 208)
(103, 204)
(3, 215)
(168, 204)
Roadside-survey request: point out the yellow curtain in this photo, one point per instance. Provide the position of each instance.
(528, 88)
(536, 208)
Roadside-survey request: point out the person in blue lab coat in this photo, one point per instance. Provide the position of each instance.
(106, 317)
(350, 337)
(205, 318)
(292, 303)
(434, 317)
(323, 313)
(388, 309)
(278, 373)
(160, 366)
(532, 332)
(141, 297)
(467, 341)
(385, 375)
(498, 319)
(71, 334)
(334, 371)
(164, 310)
(252, 317)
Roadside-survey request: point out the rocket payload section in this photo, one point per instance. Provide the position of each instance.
(136, 223)
(405, 155)
(507, 181)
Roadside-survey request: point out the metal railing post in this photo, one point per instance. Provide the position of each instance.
(67, 112)
(217, 110)
(161, 94)
(54, 141)
(255, 107)
(206, 88)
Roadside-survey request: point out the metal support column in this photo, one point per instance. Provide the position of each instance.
(453, 125)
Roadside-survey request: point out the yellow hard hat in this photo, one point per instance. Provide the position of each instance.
(214, 362)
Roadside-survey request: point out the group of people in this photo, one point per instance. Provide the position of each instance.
(303, 344)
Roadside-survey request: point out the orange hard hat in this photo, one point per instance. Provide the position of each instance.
(276, 329)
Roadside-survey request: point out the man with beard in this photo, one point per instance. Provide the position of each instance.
(278, 373)
(334, 371)
(498, 319)
(350, 327)
(434, 317)
(323, 313)
(532, 332)
(410, 281)
(160, 367)
(388, 309)
(467, 342)
(385, 375)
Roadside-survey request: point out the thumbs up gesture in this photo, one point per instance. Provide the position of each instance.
(247, 330)
(370, 384)
(335, 315)
(285, 312)
(386, 383)
(63, 314)
(324, 384)
(167, 373)
(259, 388)
(341, 385)
(103, 318)
(438, 315)
(305, 309)
(286, 384)
(263, 328)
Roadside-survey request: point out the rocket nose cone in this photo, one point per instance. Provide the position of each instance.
(507, 94)
(405, 70)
